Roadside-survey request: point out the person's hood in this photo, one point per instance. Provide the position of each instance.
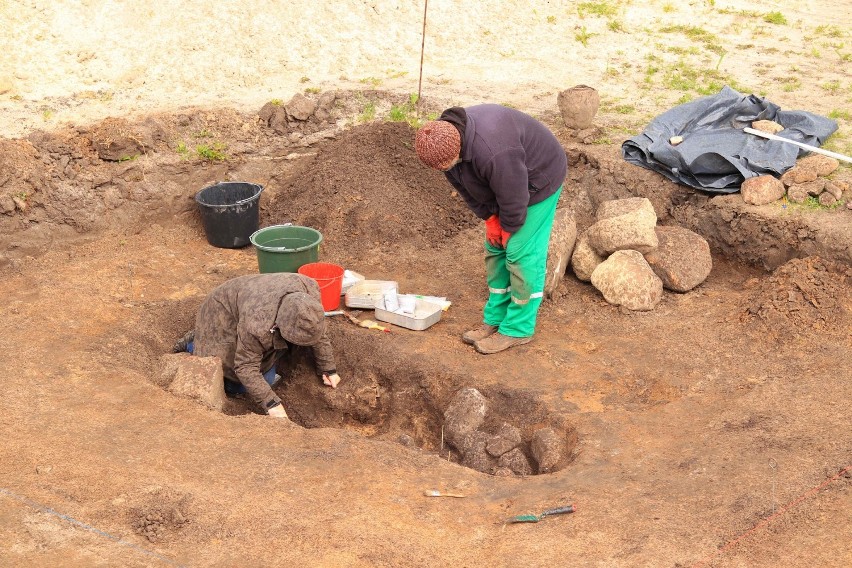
(300, 319)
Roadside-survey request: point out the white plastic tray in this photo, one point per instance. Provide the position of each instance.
(426, 314)
(367, 293)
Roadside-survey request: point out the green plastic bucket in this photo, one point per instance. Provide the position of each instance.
(285, 248)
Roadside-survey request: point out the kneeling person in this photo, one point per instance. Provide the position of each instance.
(251, 322)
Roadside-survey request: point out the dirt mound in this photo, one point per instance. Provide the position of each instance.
(803, 294)
(367, 189)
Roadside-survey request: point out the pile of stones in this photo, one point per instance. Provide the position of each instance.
(630, 260)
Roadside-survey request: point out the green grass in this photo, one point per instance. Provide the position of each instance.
(600, 9)
(583, 36)
(374, 81)
(615, 26)
(791, 84)
(368, 113)
(406, 112)
(203, 133)
(212, 152)
(776, 18)
(830, 31)
(305, 80)
(551, 19)
(276, 102)
(625, 109)
(312, 90)
(710, 41)
(832, 87)
(668, 8)
(840, 113)
(128, 158)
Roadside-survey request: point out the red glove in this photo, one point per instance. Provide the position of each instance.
(493, 231)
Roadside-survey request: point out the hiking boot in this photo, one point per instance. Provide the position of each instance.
(481, 332)
(184, 341)
(497, 342)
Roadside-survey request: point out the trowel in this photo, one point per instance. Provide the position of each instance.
(537, 518)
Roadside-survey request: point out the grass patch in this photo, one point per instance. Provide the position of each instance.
(710, 41)
(840, 113)
(374, 81)
(776, 18)
(829, 31)
(182, 149)
(407, 112)
(128, 158)
(791, 84)
(832, 87)
(625, 109)
(368, 113)
(615, 26)
(312, 90)
(600, 9)
(583, 36)
(214, 152)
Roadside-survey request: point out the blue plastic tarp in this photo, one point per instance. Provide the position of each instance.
(716, 155)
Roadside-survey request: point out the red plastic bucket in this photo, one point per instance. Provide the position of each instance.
(330, 279)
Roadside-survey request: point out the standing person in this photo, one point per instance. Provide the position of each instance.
(250, 323)
(509, 169)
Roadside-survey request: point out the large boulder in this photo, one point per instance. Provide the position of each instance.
(562, 240)
(198, 378)
(760, 190)
(584, 259)
(626, 279)
(624, 224)
(682, 260)
(116, 140)
(578, 106)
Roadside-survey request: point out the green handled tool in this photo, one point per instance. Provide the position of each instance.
(537, 518)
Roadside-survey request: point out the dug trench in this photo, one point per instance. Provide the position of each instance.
(706, 388)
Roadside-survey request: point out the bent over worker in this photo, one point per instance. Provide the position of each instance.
(250, 323)
(509, 169)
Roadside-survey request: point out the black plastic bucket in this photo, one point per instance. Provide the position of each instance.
(229, 211)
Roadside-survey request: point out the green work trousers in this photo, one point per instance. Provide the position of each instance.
(516, 274)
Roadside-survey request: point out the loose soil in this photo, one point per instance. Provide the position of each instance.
(687, 425)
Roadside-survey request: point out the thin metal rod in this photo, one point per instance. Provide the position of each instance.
(807, 147)
(422, 50)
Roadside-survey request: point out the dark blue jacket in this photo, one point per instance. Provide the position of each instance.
(509, 161)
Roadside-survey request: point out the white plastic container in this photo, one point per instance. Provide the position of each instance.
(425, 316)
(367, 293)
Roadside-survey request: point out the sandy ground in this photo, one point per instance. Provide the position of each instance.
(702, 442)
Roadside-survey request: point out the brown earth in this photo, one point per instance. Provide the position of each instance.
(712, 431)
(687, 425)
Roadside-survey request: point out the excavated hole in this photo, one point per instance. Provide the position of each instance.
(405, 400)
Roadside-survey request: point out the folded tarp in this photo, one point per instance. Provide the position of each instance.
(716, 155)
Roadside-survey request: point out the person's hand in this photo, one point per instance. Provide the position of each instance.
(331, 380)
(278, 412)
(493, 231)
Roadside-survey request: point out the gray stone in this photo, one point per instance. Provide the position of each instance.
(584, 259)
(562, 240)
(624, 224)
(814, 188)
(278, 121)
(682, 260)
(822, 165)
(796, 194)
(507, 438)
(797, 174)
(547, 449)
(827, 199)
(626, 279)
(515, 461)
(474, 455)
(465, 414)
(760, 190)
(835, 188)
(300, 107)
(198, 378)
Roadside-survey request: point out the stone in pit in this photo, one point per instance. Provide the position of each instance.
(516, 461)
(506, 439)
(300, 107)
(584, 259)
(624, 224)
(474, 454)
(547, 449)
(465, 414)
(822, 165)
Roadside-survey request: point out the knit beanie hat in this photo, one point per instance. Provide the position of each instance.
(300, 319)
(437, 143)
